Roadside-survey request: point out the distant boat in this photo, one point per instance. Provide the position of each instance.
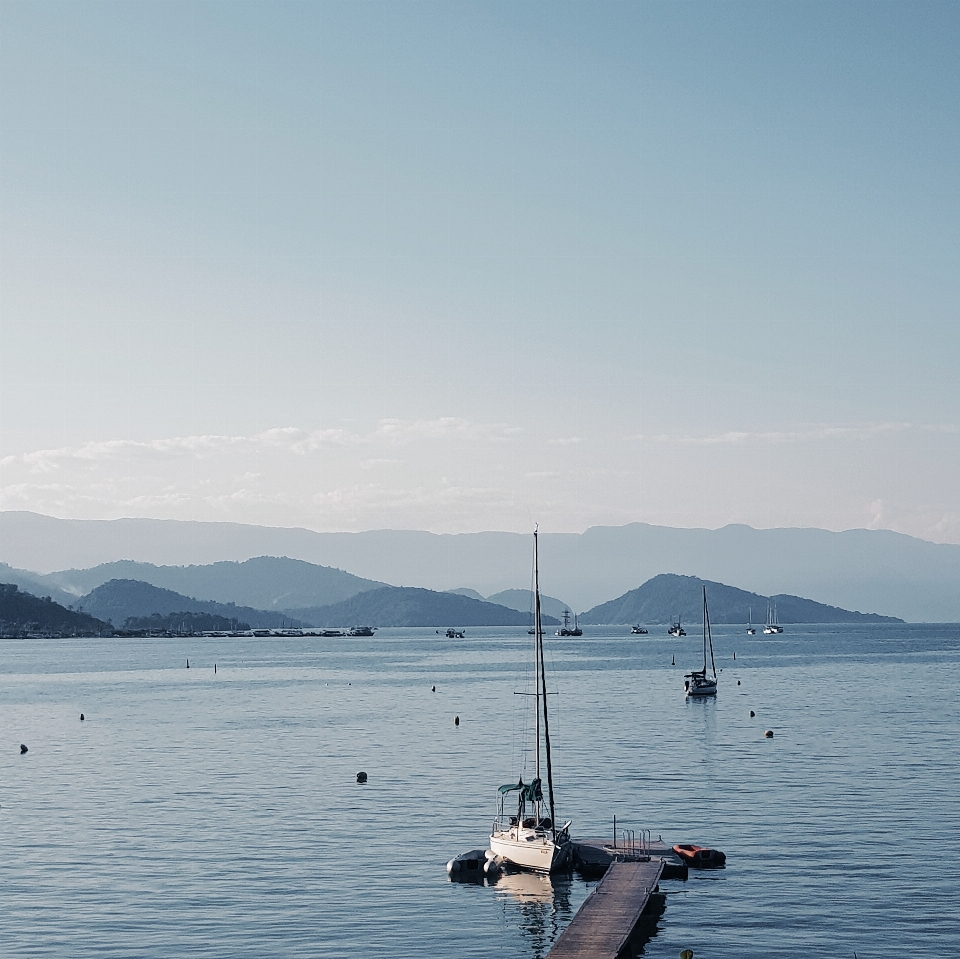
(565, 629)
(362, 631)
(676, 629)
(773, 623)
(751, 629)
(697, 682)
(638, 631)
(455, 633)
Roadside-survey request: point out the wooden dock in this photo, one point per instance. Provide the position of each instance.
(607, 918)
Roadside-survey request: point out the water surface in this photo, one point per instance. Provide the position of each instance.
(198, 814)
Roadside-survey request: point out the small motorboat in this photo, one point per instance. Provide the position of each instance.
(700, 857)
(638, 631)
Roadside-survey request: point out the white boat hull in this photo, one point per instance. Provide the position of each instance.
(529, 851)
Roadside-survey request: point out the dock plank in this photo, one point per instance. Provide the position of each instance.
(602, 926)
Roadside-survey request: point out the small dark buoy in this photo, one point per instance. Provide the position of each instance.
(738, 682)
(752, 714)
(433, 689)
(23, 749)
(214, 669)
(81, 717)
(768, 734)
(734, 655)
(673, 660)
(361, 777)
(188, 664)
(456, 720)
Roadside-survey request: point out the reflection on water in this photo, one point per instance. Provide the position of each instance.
(646, 928)
(538, 905)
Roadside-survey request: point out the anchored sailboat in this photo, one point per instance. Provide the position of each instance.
(697, 682)
(530, 839)
(751, 629)
(773, 623)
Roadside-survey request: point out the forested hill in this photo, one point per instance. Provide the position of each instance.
(22, 612)
(123, 599)
(668, 596)
(407, 606)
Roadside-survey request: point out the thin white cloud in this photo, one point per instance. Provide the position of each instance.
(388, 432)
(861, 431)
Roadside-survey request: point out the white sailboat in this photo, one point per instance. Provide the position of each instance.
(697, 682)
(751, 629)
(530, 839)
(773, 623)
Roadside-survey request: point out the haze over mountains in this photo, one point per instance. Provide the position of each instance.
(873, 570)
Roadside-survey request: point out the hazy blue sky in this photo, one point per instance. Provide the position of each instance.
(462, 266)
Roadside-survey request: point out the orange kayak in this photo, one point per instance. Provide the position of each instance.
(699, 856)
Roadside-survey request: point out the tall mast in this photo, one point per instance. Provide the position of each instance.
(707, 637)
(538, 642)
(704, 588)
(543, 685)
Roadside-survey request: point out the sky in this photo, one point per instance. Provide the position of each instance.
(467, 266)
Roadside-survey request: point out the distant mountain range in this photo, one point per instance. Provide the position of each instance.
(519, 599)
(878, 570)
(667, 597)
(266, 582)
(121, 599)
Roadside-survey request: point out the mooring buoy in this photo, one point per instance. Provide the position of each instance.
(768, 734)
(673, 660)
(433, 689)
(23, 749)
(361, 777)
(81, 717)
(188, 664)
(456, 720)
(738, 682)
(214, 669)
(752, 714)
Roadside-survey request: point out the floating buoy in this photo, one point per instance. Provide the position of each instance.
(738, 682)
(81, 717)
(456, 720)
(188, 664)
(752, 714)
(23, 749)
(734, 655)
(361, 777)
(673, 660)
(214, 669)
(433, 689)
(768, 734)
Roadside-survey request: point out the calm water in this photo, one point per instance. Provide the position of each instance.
(195, 814)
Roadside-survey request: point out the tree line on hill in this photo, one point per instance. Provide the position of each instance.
(135, 606)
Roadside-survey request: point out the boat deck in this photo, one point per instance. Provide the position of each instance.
(602, 927)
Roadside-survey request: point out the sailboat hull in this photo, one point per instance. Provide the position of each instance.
(529, 851)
